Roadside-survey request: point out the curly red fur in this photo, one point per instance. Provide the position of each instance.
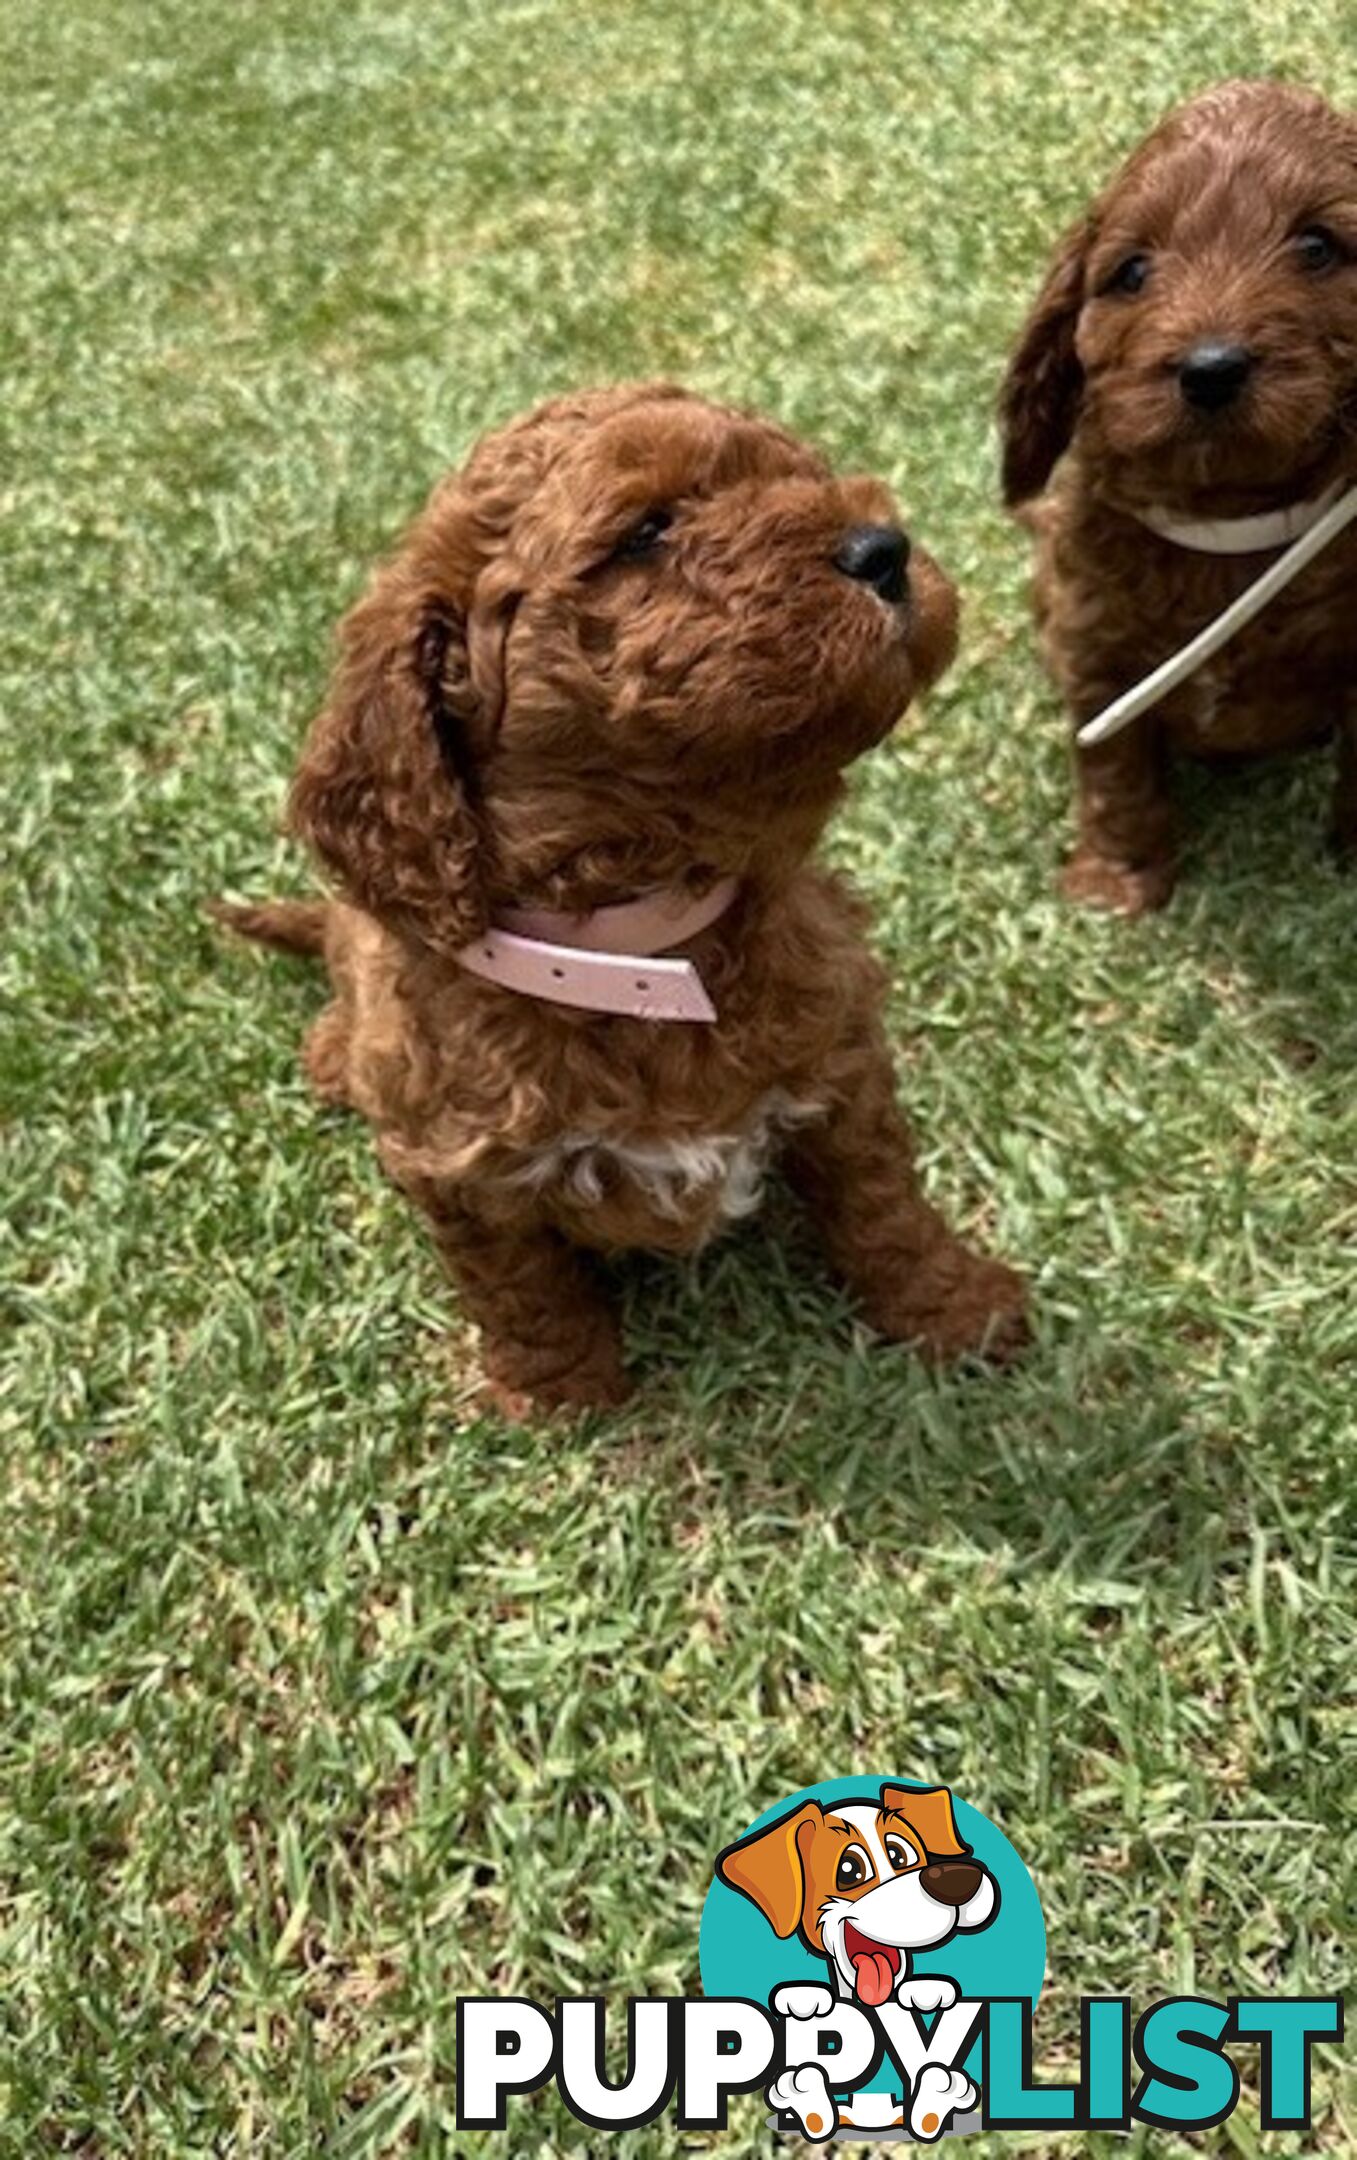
(530, 708)
(1216, 202)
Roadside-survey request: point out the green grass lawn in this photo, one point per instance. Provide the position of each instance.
(324, 1695)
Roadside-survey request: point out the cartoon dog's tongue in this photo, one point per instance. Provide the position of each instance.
(872, 1977)
(874, 1968)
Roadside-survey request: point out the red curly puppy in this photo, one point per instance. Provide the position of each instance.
(612, 677)
(1194, 348)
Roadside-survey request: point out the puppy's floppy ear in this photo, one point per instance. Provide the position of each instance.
(385, 791)
(1039, 401)
(930, 1813)
(769, 1869)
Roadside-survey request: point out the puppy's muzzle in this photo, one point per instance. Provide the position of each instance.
(1214, 372)
(876, 555)
(951, 1882)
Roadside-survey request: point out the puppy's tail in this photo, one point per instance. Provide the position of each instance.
(295, 926)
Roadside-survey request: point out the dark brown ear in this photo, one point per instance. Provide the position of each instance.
(386, 791)
(1039, 401)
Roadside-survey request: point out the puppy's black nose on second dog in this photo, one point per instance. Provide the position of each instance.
(1214, 372)
(951, 1882)
(876, 555)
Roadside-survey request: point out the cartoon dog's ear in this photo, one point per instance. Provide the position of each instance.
(1039, 401)
(930, 1812)
(769, 1868)
(386, 788)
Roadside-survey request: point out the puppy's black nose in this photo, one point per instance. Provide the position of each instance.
(951, 1882)
(876, 555)
(1214, 372)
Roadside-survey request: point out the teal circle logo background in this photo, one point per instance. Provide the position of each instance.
(738, 1953)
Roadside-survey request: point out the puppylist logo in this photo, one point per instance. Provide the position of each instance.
(872, 1951)
(874, 1924)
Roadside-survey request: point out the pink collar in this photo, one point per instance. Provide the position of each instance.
(603, 962)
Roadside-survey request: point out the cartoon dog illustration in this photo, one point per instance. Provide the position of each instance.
(863, 1885)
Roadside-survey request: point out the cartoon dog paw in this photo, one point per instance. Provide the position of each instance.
(803, 1999)
(938, 2096)
(805, 2093)
(926, 1993)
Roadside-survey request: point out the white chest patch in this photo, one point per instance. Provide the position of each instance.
(672, 1174)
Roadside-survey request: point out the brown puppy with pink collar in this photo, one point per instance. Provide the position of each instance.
(589, 982)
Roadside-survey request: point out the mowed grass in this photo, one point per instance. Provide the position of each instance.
(324, 1695)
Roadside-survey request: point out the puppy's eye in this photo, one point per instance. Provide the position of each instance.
(1129, 276)
(852, 1869)
(901, 1853)
(1317, 249)
(644, 537)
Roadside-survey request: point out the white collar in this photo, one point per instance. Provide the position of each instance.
(1323, 530)
(1241, 535)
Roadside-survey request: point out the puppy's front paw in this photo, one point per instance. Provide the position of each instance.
(972, 1306)
(1095, 881)
(804, 2093)
(522, 1393)
(954, 1303)
(927, 1992)
(803, 1999)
